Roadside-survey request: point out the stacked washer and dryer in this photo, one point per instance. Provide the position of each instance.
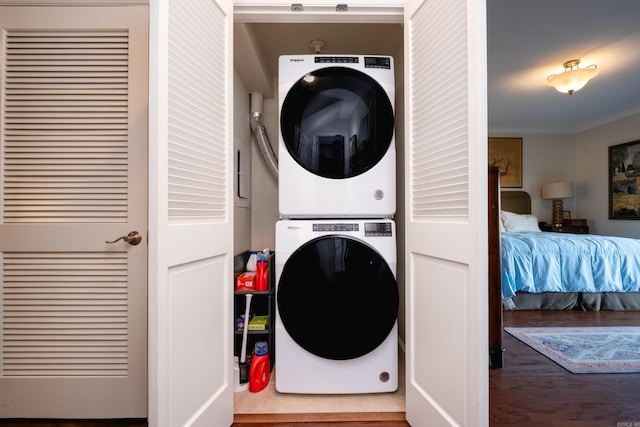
(337, 297)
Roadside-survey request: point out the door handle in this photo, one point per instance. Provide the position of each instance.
(133, 238)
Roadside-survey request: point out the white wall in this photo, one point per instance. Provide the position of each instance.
(265, 187)
(255, 218)
(242, 141)
(592, 165)
(546, 158)
(582, 159)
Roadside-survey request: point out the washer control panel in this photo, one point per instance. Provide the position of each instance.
(371, 229)
(336, 227)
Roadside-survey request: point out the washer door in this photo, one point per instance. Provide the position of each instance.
(337, 122)
(337, 298)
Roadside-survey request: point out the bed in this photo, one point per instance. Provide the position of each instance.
(603, 285)
(563, 271)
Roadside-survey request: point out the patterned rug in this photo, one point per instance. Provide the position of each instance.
(589, 350)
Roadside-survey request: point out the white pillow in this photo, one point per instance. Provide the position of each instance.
(514, 222)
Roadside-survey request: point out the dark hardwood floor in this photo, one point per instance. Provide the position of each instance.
(530, 390)
(73, 423)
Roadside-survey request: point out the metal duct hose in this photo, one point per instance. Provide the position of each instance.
(266, 150)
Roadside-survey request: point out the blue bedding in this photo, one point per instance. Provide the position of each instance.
(562, 262)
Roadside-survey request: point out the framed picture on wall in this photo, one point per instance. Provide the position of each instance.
(506, 153)
(624, 180)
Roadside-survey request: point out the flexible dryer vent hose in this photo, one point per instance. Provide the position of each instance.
(262, 138)
(266, 150)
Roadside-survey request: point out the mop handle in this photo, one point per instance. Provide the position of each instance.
(243, 351)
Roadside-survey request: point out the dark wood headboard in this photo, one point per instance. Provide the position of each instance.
(515, 201)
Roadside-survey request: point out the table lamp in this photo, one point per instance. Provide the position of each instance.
(557, 191)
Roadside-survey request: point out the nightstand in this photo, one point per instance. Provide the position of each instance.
(575, 229)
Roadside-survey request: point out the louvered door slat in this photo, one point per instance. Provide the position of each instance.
(52, 328)
(198, 171)
(439, 153)
(61, 92)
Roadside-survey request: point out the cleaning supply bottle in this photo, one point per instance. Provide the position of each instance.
(262, 274)
(260, 370)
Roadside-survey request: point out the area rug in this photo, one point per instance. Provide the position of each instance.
(586, 350)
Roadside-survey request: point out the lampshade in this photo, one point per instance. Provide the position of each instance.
(572, 78)
(557, 190)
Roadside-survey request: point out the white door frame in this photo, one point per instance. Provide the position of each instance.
(280, 11)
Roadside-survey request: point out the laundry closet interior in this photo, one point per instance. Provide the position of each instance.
(259, 41)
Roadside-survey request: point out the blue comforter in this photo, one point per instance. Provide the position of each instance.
(563, 262)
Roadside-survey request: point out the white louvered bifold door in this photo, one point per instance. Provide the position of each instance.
(191, 190)
(73, 175)
(446, 214)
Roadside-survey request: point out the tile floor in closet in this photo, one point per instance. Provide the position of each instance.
(269, 401)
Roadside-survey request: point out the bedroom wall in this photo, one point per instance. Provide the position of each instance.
(544, 160)
(582, 159)
(592, 158)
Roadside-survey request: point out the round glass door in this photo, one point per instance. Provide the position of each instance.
(337, 122)
(337, 298)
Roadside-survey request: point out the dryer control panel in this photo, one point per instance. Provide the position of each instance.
(369, 61)
(336, 60)
(377, 229)
(377, 62)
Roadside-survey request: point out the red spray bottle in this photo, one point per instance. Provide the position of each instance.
(262, 272)
(262, 276)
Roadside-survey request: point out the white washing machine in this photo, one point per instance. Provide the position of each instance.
(337, 304)
(337, 155)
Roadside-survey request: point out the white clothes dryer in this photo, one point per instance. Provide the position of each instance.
(337, 155)
(336, 329)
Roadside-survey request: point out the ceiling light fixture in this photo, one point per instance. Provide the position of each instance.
(572, 78)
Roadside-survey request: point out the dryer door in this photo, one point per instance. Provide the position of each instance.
(337, 298)
(337, 122)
